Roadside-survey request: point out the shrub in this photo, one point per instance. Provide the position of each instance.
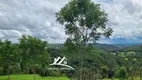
(121, 73)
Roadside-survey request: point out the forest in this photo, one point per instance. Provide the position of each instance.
(33, 56)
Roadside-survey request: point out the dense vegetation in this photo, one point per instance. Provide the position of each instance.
(32, 56)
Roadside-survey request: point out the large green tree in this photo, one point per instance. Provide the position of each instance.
(34, 52)
(9, 55)
(84, 21)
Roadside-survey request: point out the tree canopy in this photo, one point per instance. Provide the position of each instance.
(84, 21)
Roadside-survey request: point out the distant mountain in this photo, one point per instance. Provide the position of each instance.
(55, 46)
(136, 48)
(125, 45)
(108, 47)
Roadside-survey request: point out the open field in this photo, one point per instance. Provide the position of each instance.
(31, 77)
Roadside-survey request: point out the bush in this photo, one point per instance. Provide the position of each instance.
(53, 73)
(1, 70)
(121, 73)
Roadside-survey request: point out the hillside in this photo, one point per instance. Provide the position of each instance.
(136, 48)
(104, 47)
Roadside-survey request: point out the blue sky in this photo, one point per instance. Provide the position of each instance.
(37, 18)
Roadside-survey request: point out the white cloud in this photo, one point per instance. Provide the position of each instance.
(31, 17)
(125, 17)
(37, 18)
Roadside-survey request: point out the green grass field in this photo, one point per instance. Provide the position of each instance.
(31, 77)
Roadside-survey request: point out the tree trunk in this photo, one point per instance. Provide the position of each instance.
(107, 73)
(141, 73)
(81, 69)
(34, 74)
(8, 74)
(131, 75)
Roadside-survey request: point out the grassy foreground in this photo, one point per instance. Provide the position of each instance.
(31, 77)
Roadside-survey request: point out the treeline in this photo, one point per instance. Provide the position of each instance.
(27, 56)
(33, 56)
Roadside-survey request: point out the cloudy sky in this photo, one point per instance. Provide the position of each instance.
(37, 18)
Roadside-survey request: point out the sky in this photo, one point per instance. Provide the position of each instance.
(37, 18)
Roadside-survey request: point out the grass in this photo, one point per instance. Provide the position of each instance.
(31, 77)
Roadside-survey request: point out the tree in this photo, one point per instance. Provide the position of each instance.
(9, 55)
(81, 57)
(34, 52)
(105, 71)
(84, 21)
(121, 73)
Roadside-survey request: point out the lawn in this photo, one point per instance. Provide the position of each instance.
(31, 77)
